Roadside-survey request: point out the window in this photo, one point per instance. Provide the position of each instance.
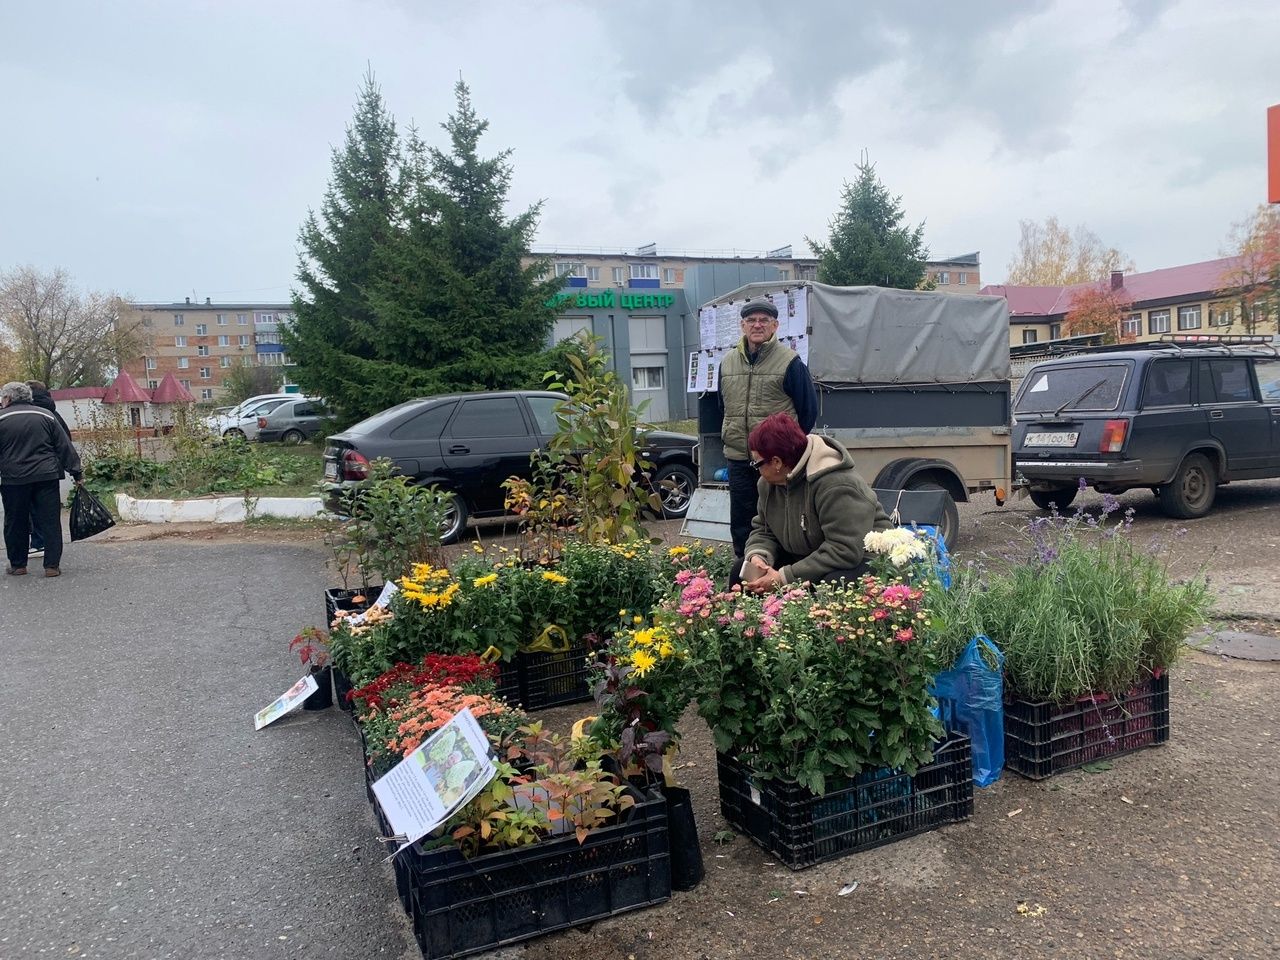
(243, 340)
(152, 384)
(1268, 371)
(784, 274)
(943, 276)
(264, 318)
(224, 362)
(619, 274)
(202, 351)
(1086, 387)
(206, 373)
(151, 363)
(544, 414)
(1225, 381)
(669, 275)
(1168, 383)
(224, 341)
(1189, 318)
(648, 378)
(179, 319)
(806, 272)
(489, 417)
(246, 361)
(206, 393)
(1028, 336)
(222, 319)
(1055, 331)
(593, 274)
(570, 268)
(1221, 315)
(186, 384)
(566, 327)
(648, 334)
(962, 278)
(242, 319)
(179, 341)
(644, 271)
(1131, 326)
(202, 329)
(426, 425)
(1158, 321)
(183, 363)
(268, 336)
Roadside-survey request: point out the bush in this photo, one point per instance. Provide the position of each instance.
(1079, 609)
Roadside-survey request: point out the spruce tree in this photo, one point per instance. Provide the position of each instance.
(424, 293)
(869, 245)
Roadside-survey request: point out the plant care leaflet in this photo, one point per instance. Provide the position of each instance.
(439, 778)
(291, 699)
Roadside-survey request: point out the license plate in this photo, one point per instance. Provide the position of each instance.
(331, 471)
(1052, 439)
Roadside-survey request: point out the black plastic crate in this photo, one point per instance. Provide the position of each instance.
(461, 907)
(336, 599)
(871, 809)
(536, 681)
(1041, 739)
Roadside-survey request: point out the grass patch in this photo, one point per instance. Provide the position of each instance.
(217, 468)
(678, 426)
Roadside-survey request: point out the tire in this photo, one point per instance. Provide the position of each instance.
(455, 522)
(674, 485)
(1191, 492)
(235, 433)
(293, 437)
(950, 515)
(1061, 498)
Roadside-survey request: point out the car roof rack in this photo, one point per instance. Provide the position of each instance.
(1191, 343)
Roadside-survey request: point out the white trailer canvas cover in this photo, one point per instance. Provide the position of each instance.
(875, 335)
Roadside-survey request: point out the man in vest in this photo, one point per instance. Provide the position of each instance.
(758, 378)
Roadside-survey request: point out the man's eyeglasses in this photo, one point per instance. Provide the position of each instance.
(759, 322)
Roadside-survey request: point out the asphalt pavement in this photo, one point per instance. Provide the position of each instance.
(141, 814)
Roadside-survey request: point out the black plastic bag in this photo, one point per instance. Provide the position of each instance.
(88, 515)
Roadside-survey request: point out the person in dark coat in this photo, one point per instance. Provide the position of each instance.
(34, 451)
(41, 397)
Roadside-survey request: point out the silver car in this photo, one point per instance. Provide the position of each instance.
(242, 421)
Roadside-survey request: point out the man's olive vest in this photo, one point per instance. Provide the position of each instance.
(752, 391)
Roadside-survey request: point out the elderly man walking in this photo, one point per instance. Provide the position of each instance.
(34, 451)
(758, 378)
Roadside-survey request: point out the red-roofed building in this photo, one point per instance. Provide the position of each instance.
(171, 391)
(1190, 299)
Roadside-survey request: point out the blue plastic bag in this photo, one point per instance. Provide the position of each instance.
(943, 565)
(971, 697)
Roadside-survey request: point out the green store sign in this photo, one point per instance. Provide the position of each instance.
(606, 300)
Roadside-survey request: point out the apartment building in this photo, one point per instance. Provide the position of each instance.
(1190, 300)
(649, 267)
(201, 343)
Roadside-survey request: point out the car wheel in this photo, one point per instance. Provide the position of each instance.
(455, 520)
(1061, 498)
(293, 437)
(950, 515)
(1191, 491)
(675, 484)
(234, 433)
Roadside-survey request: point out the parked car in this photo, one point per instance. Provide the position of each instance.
(1180, 417)
(242, 420)
(294, 421)
(469, 443)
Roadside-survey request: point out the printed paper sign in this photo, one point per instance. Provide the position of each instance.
(439, 778)
(291, 699)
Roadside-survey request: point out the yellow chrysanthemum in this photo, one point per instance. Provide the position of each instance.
(643, 638)
(643, 661)
(665, 649)
(677, 551)
(552, 577)
(484, 581)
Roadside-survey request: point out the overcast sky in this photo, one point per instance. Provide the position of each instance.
(171, 149)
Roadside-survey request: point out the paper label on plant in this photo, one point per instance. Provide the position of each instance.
(291, 699)
(755, 794)
(384, 599)
(439, 778)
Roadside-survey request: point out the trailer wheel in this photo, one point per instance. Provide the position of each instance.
(950, 515)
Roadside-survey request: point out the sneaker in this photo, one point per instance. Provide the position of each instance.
(16, 571)
(52, 572)
(36, 552)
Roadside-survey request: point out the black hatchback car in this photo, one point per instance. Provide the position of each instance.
(470, 443)
(1178, 417)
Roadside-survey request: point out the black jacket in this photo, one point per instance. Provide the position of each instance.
(44, 399)
(33, 447)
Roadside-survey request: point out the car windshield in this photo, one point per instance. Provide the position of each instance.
(379, 420)
(1078, 387)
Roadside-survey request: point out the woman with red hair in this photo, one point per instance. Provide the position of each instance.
(814, 510)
